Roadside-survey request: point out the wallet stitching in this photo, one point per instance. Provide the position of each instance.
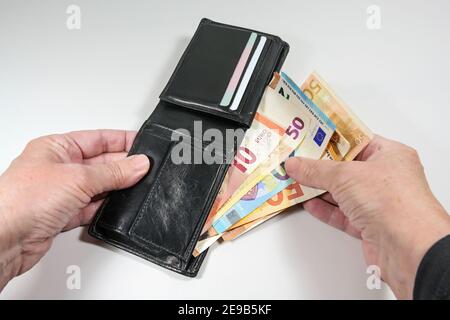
(204, 144)
(200, 223)
(132, 150)
(229, 26)
(192, 271)
(145, 207)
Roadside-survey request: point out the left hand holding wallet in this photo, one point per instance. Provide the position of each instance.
(218, 82)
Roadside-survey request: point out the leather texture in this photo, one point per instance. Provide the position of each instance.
(161, 217)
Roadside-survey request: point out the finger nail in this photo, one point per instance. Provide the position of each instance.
(140, 162)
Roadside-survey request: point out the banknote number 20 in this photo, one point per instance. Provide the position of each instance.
(296, 126)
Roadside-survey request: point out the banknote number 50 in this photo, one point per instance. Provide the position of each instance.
(296, 126)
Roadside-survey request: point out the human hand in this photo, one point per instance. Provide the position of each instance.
(54, 185)
(383, 199)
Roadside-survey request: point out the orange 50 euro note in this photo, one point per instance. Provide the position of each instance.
(350, 138)
(272, 119)
(268, 177)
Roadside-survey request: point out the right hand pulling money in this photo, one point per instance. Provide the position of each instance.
(383, 199)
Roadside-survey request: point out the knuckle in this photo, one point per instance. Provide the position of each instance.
(342, 172)
(309, 170)
(83, 176)
(84, 183)
(116, 173)
(345, 174)
(40, 142)
(412, 155)
(411, 151)
(35, 142)
(75, 179)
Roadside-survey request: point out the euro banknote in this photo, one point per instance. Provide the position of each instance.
(299, 122)
(270, 123)
(269, 177)
(270, 185)
(348, 125)
(291, 195)
(350, 138)
(309, 121)
(240, 230)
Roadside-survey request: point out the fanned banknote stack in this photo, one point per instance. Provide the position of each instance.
(308, 121)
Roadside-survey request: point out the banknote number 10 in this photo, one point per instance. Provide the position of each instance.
(243, 156)
(294, 129)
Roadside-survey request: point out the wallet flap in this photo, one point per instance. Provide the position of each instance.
(221, 68)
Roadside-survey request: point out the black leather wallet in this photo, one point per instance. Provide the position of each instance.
(161, 217)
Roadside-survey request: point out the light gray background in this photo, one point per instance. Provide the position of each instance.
(109, 75)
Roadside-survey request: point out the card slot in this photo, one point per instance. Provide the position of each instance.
(222, 103)
(202, 77)
(239, 70)
(271, 60)
(250, 86)
(250, 72)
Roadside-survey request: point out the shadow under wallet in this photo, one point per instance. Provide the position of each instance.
(217, 84)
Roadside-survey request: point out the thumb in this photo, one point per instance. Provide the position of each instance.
(312, 173)
(117, 174)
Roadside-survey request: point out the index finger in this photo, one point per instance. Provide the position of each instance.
(377, 144)
(321, 174)
(95, 142)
